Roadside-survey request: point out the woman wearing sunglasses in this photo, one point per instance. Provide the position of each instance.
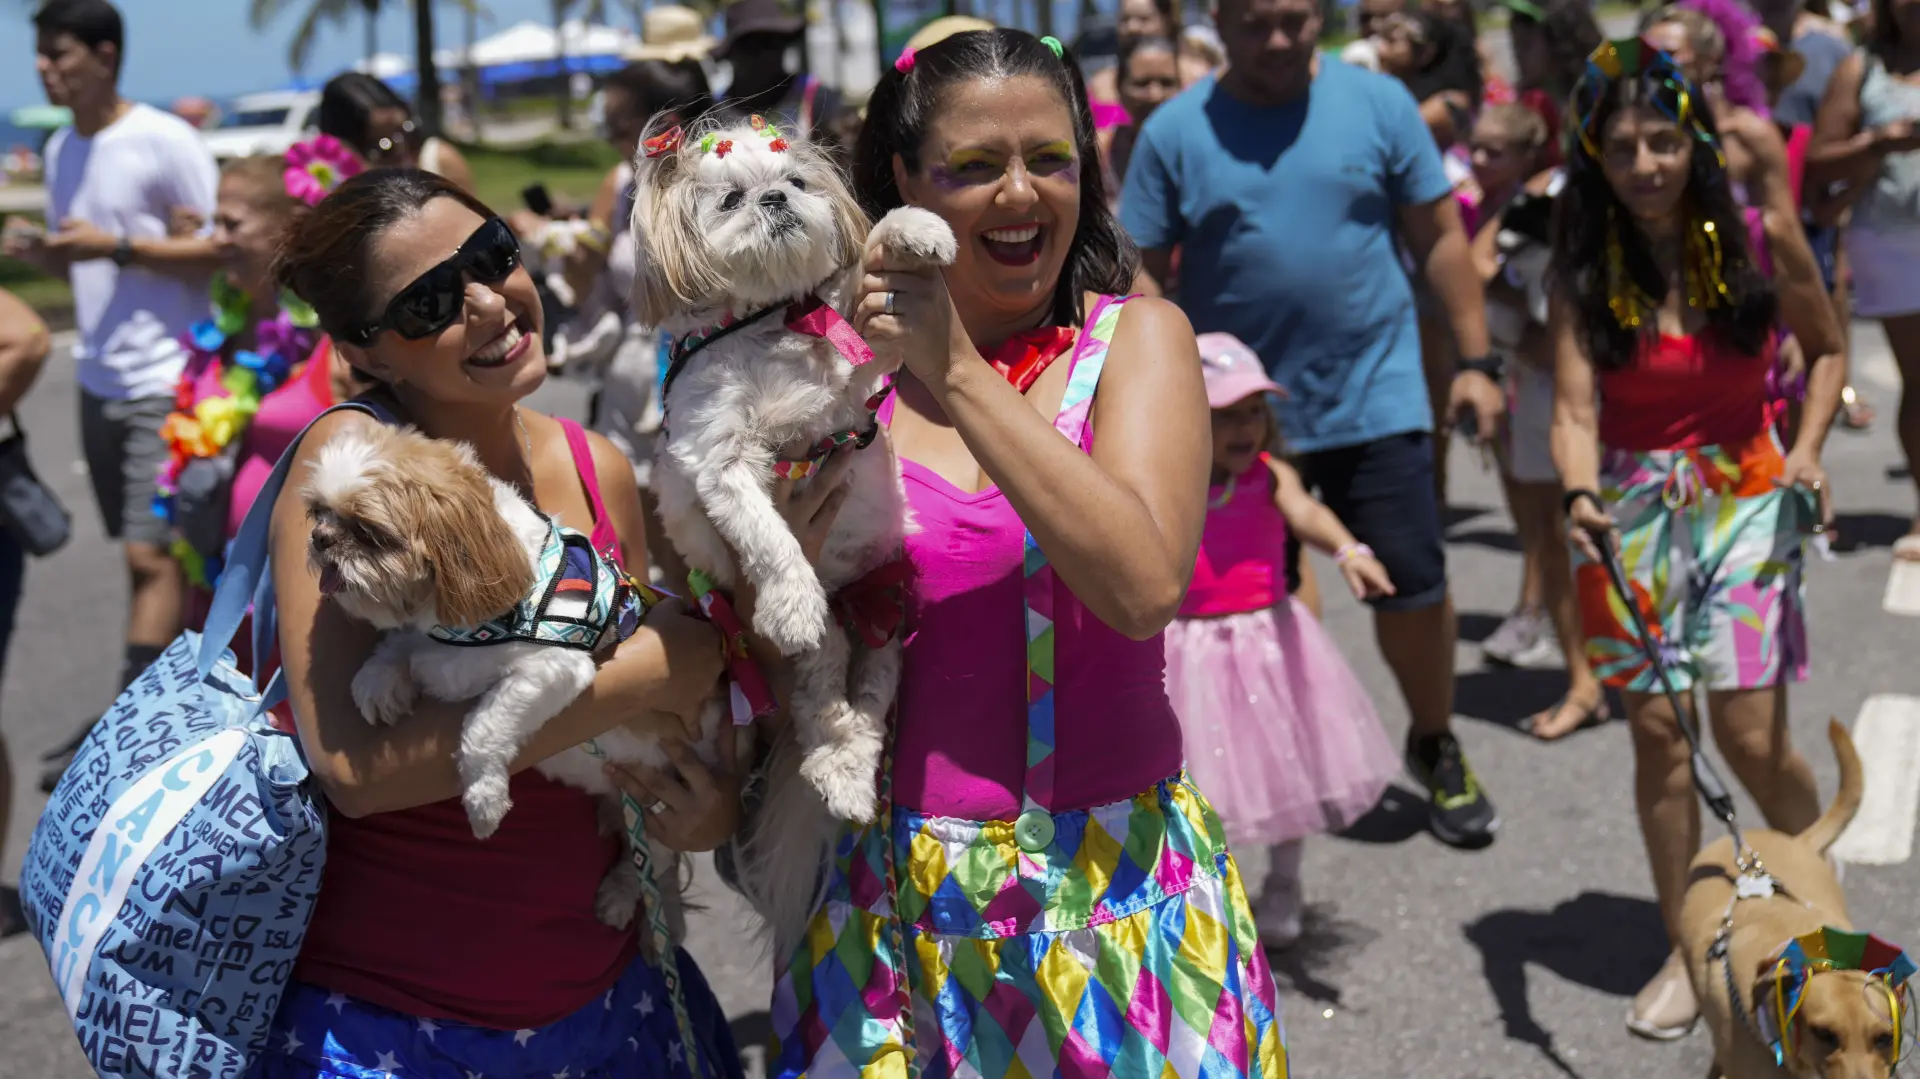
(431, 952)
(377, 124)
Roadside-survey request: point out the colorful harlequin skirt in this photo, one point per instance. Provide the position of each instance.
(1713, 552)
(628, 1033)
(1125, 949)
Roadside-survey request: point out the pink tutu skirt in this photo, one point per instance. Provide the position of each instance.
(1280, 734)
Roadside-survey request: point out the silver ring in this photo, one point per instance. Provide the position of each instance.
(1817, 485)
(657, 808)
(886, 307)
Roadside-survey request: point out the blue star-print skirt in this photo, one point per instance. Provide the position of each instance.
(627, 1034)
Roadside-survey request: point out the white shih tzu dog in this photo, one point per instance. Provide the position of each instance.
(750, 250)
(480, 596)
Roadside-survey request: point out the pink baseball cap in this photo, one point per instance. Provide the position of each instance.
(1232, 371)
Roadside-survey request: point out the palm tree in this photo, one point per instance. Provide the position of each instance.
(336, 12)
(426, 100)
(587, 11)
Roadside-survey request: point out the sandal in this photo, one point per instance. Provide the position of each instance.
(1907, 548)
(1595, 716)
(1666, 1008)
(1855, 413)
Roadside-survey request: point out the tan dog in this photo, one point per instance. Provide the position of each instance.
(1844, 1027)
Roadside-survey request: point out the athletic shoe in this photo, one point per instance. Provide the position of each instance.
(1542, 653)
(1521, 631)
(1458, 810)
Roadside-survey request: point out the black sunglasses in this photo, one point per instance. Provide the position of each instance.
(434, 299)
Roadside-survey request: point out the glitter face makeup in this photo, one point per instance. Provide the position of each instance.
(972, 168)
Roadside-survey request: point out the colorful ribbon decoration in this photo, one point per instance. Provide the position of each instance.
(874, 608)
(748, 696)
(1832, 949)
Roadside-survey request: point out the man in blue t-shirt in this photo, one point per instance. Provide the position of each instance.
(1285, 184)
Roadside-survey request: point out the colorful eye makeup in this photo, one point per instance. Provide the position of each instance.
(972, 168)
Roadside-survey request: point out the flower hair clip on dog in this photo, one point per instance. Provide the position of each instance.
(664, 143)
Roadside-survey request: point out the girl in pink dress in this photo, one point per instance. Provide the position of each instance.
(1279, 732)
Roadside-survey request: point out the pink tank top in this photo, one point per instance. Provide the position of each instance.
(1243, 552)
(418, 916)
(962, 721)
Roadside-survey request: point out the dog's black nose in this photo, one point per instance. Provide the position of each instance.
(774, 198)
(323, 540)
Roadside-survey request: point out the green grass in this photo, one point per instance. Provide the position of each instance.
(571, 170)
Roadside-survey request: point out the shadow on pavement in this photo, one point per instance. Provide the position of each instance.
(1493, 539)
(1612, 943)
(1397, 817)
(1507, 696)
(1453, 516)
(1862, 530)
(1477, 626)
(1325, 938)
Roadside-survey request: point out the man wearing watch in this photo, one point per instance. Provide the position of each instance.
(114, 180)
(1286, 182)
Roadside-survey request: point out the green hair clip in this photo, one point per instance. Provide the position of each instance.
(1059, 50)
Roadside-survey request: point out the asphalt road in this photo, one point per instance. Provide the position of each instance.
(1512, 963)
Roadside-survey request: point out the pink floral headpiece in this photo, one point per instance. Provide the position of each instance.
(317, 166)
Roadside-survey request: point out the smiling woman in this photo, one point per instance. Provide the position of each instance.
(1033, 733)
(421, 286)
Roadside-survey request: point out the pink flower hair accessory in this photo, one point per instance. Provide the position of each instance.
(317, 166)
(904, 63)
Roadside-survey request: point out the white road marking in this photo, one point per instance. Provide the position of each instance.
(1903, 589)
(1887, 735)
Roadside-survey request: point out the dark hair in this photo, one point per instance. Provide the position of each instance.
(1452, 65)
(348, 102)
(1100, 258)
(1571, 34)
(1587, 212)
(1883, 35)
(92, 23)
(324, 257)
(1132, 46)
(657, 86)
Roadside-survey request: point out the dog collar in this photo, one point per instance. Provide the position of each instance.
(859, 437)
(809, 316)
(580, 600)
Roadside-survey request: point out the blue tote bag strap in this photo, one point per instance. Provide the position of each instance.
(245, 581)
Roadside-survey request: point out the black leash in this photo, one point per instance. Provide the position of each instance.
(1707, 781)
(685, 349)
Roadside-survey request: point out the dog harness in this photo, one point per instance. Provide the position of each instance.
(579, 600)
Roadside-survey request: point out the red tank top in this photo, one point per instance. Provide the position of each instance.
(417, 915)
(1682, 392)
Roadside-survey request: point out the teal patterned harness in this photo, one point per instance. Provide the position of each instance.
(579, 600)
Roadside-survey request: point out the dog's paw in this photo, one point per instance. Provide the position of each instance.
(487, 802)
(618, 899)
(845, 777)
(792, 617)
(916, 235)
(384, 692)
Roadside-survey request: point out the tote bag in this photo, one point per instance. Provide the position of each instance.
(172, 875)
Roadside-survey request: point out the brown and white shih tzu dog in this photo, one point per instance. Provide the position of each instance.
(750, 249)
(480, 596)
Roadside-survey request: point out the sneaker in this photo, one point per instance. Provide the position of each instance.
(1542, 653)
(1458, 810)
(1522, 629)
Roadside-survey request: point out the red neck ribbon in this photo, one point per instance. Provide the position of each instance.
(1021, 358)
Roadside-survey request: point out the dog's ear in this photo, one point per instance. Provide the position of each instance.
(672, 271)
(479, 568)
(1773, 983)
(850, 221)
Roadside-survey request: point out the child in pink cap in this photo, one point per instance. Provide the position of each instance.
(1279, 732)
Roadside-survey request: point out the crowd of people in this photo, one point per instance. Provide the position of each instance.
(1281, 283)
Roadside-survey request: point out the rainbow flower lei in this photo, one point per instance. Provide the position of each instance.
(205, 426)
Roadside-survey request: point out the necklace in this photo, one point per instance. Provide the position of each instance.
(1226, 494)
(526, 445)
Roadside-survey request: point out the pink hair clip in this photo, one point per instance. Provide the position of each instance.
(904, 65)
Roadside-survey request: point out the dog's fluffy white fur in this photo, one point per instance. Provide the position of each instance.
(723, 235)
(411, 532)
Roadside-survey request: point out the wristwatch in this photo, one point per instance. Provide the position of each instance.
(123, 252)
(1492, 365)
